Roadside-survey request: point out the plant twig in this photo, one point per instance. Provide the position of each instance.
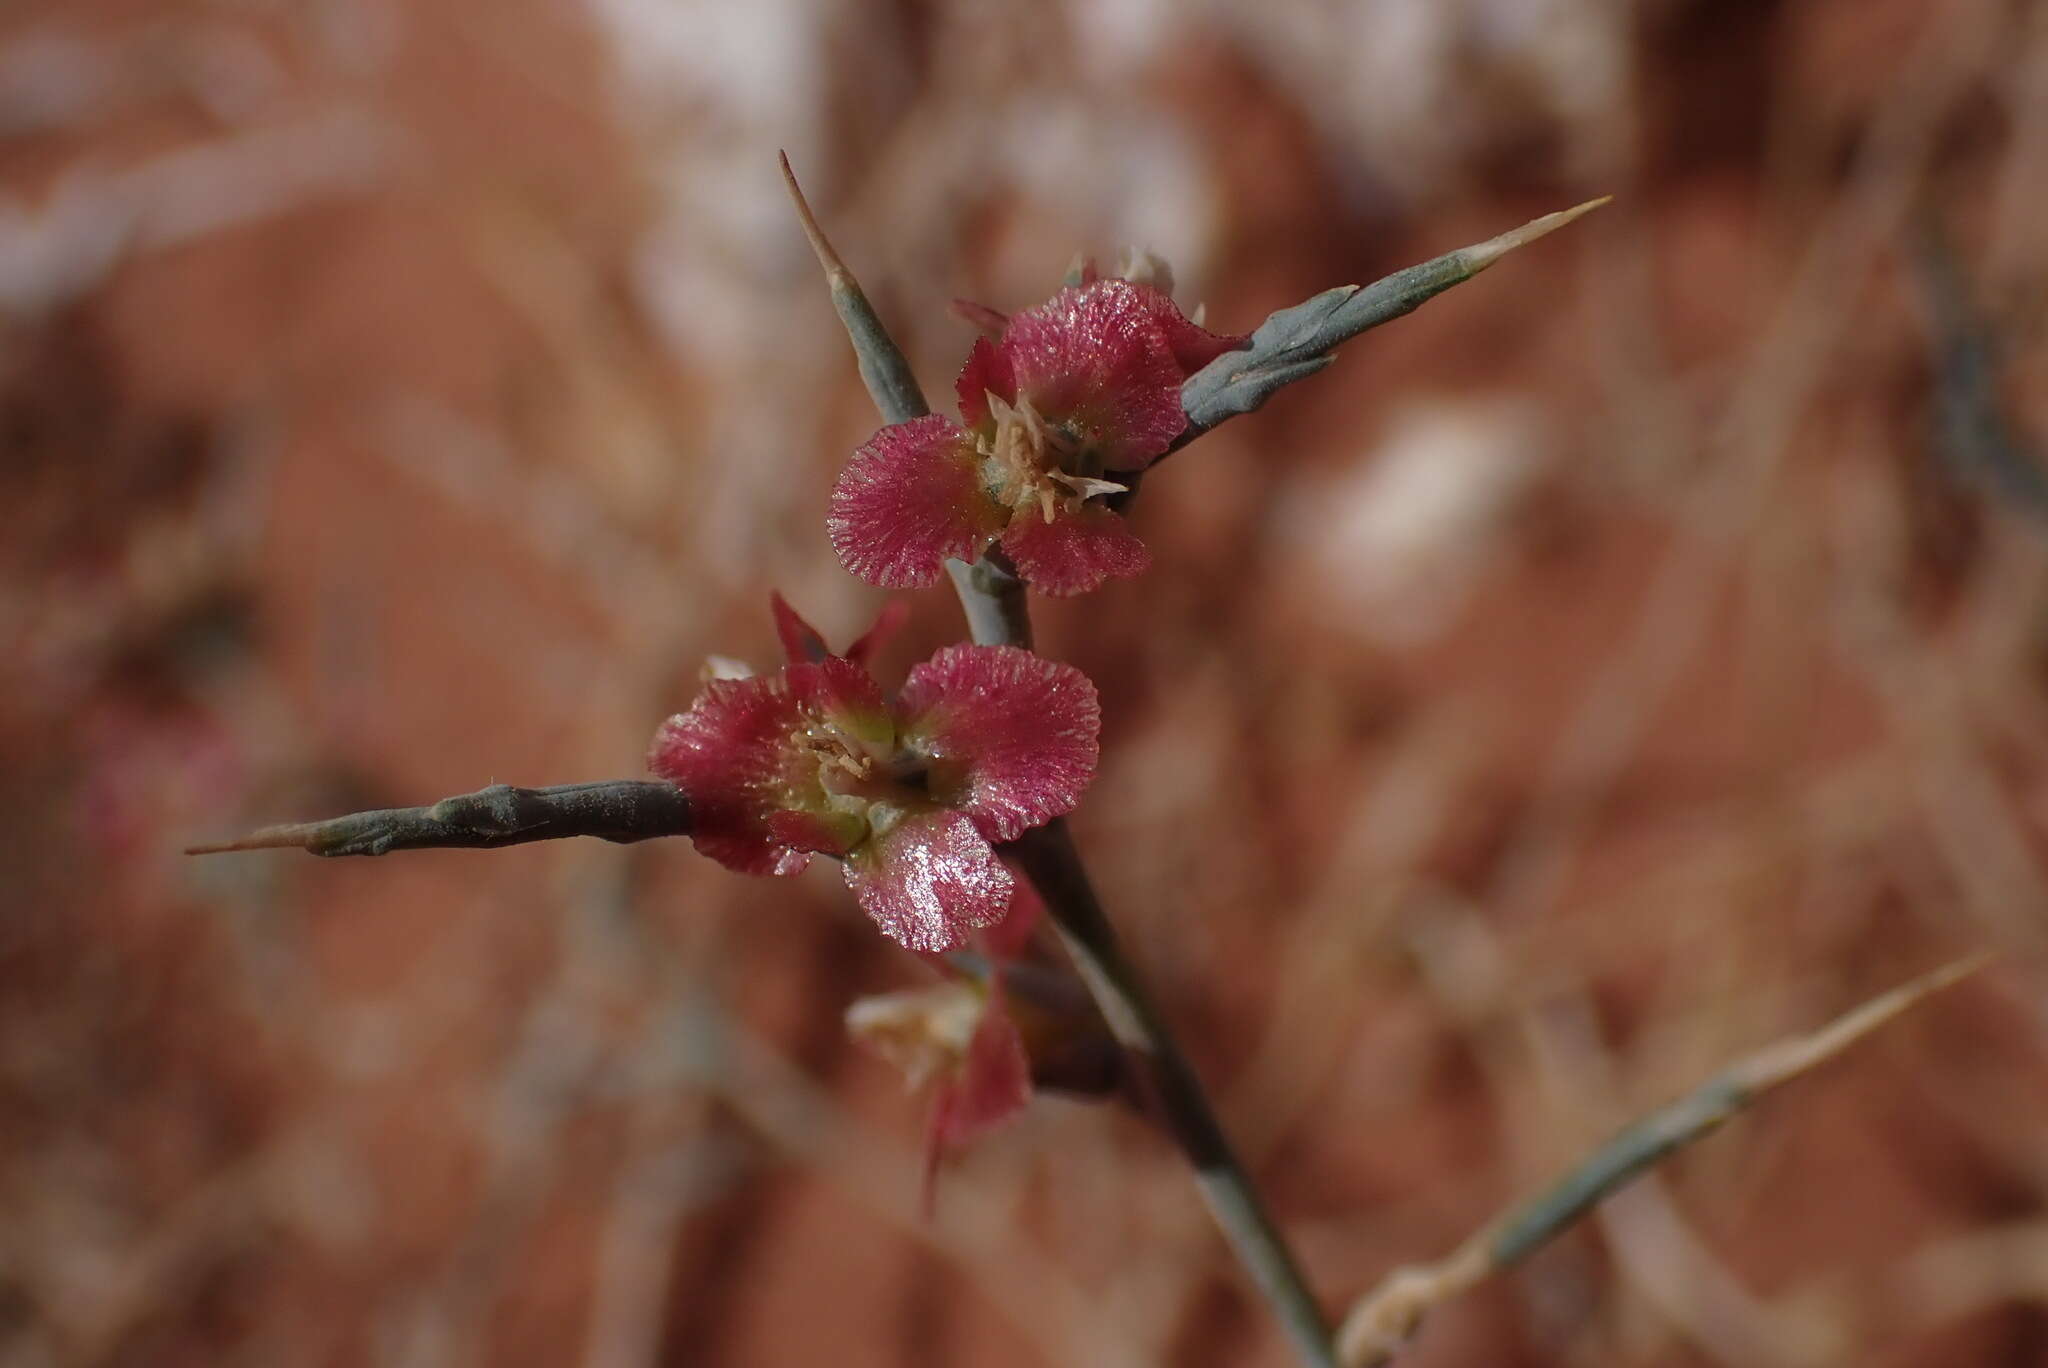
(991, 594)
(1382, 1321)
(998, 614)
(620, 810)
(992, 597)
(1298, 341)
(1167, 1083)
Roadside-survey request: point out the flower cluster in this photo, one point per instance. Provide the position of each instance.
(981, 744)
(1070, 396)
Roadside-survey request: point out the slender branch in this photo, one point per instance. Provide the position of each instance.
(620, 810)
(1296, 342)
(1169, 1085)
(992, 596)
(1382, 1321)
(990, 593)
(998, 613)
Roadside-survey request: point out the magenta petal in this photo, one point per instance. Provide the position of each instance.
(1075, 552)
(1096, 362)
(730, 753)
(1011, 736)
(908, 499)
(930, 881)
(1193, 345)
(843, 694)
(800, 641)
(987, 370)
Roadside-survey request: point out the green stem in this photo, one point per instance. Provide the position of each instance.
(993, 598)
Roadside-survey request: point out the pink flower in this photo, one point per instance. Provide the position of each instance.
(958, 1042)
(1080, 390)
(998, 1029)
(983, 743)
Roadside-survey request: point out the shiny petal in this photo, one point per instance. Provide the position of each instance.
(1095, 361)
(908, 499)
(732, 755)
(987, 371)
(1011, 737)
(1193, 345)
(1075, 552)
(930, 881)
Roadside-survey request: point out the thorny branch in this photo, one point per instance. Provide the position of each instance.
(620, 810)
(1290, 345)
(991, 594)
(998, 613)
(1386, 1318)
(1298, 341)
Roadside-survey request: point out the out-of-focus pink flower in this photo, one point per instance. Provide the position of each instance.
(957, 1040)
(982, 743)
(1072, 394)
(999, 1029)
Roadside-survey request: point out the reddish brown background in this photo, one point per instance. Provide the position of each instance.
(1596, 675)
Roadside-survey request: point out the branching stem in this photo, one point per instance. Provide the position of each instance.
(993, 598)
(620, 810)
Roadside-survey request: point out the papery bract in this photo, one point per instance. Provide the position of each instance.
(1073, 394)
(984, 743)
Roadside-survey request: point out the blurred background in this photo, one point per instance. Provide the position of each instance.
(1637, 655)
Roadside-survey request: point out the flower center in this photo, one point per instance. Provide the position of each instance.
(1028, 462)
(858, 773)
